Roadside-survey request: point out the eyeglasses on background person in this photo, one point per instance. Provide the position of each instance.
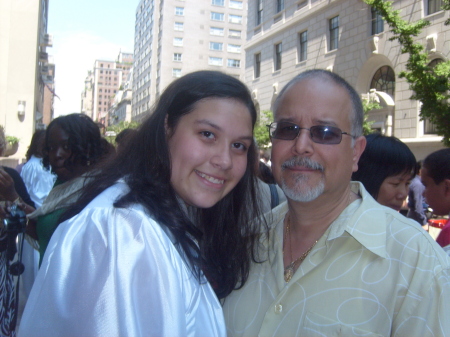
(321, 134)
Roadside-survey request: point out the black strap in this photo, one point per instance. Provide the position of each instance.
(274, 199)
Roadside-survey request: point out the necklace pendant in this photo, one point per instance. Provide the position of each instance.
(288, 273)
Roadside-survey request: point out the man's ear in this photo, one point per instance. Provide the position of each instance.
(358, 149)
(447, 187)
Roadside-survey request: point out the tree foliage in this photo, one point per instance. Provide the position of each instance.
(368, 105)
(117, 128)
(429, 85)
(261, 131)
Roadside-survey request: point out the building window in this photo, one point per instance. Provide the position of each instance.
(277, 60)
(234, 63)
(234, 18)
(179, 11)
(235, 4)
(218, 2)
(216, 31)
(257, 68)
(216, 46)
(384, 80)
(259, 12)
(377, 22)
(433, 6)
(217, 16)
(179, 26)
(178, 41)
(303, 51)
(177, 56)
(334, 32)
(280, 5)
(176, 72)
(233, 48)
(234, 33)
(215, 61)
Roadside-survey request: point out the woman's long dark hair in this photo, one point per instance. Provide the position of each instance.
(225, 231)
(383, 157)
(36, 147)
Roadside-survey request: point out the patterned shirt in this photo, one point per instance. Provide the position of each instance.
(373, 273)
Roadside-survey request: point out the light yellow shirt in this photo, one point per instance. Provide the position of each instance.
(373, 273)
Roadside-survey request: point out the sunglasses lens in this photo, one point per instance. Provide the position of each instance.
(286, 131)
(326, 134)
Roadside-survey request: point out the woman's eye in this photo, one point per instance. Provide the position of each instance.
(207, 134)
(240, 146)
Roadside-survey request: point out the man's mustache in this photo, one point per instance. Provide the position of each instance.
(303, 162)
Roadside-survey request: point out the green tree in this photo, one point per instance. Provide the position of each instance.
(368, 105)
(429, 85)
(117, 128)
(261, 131)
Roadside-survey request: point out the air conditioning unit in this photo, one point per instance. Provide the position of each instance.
(43, 56)
(47, 40)
(44, 69)
(47, 78)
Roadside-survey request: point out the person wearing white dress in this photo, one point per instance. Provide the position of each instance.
(164, 230)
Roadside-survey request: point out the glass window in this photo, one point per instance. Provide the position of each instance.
(215, 61)
(384, 80)
(280, 5)
(433, 6)
(176, 72)
(218, 2)
(334, 33)
(234, 33)
(179, 11)
(216, 31)
(257, 68)
(277, 61)
(233, 48)
(179, 26)
(259, 12)
(177, 56)
(217, 16)
(303, 53)
(234, 18)
(377, 22)
(234, 63)
(178, 41)
(235, 4)
(216, 46)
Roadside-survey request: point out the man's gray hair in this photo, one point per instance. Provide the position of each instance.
(357, 113)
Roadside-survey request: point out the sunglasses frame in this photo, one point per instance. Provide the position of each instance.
(336, 129)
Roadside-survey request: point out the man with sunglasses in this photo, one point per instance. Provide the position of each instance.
(335, 261)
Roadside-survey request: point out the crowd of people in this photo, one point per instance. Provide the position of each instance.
(186, 229)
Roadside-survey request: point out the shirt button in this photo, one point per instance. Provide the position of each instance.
(278, 308)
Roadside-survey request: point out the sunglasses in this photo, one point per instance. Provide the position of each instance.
(320, 134)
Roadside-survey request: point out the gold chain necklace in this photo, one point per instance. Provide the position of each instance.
(290, 269)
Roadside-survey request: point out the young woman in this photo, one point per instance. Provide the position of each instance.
(173, 211)
(73, 147)
(386, 169)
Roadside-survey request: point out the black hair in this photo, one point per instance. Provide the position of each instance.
(36, 147)
(219, 240)
(383, 157)
(85, 141)
(437, 165)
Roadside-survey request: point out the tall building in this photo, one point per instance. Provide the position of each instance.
(175, 37)
(26, 77)
(108, 77)
(286, 37)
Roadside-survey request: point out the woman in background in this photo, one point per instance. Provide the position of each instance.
(173, 211)
(73, 147)
(386, 169)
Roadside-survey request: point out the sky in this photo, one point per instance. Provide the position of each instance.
(84, 31)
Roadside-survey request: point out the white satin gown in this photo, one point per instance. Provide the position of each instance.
(115, 272)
